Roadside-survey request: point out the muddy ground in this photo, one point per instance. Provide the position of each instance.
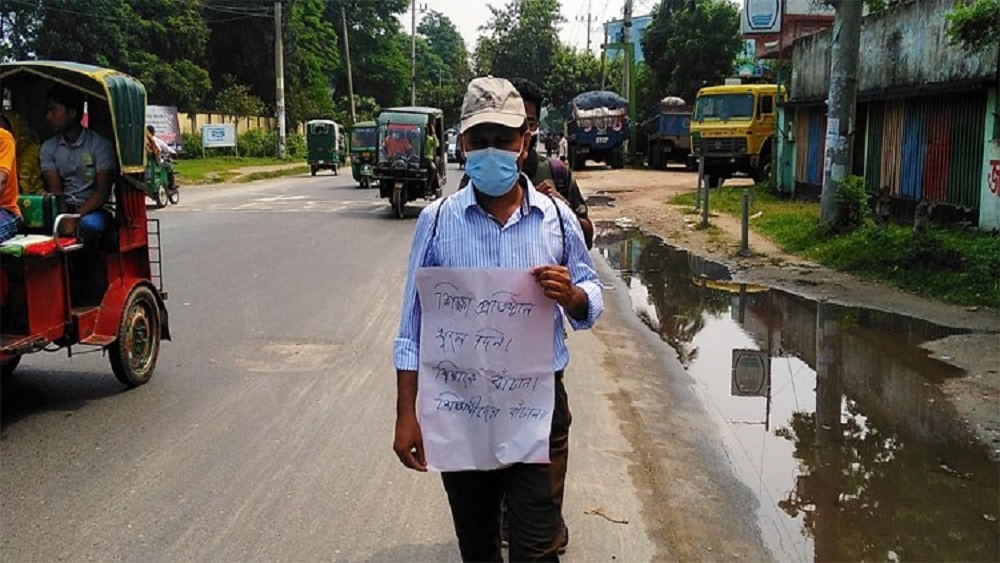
(640, 197)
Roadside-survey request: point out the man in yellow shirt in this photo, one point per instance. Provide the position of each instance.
(10, 214)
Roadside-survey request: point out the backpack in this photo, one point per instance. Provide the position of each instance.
(560, 175)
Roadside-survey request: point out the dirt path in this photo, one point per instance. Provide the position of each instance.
(640, 197)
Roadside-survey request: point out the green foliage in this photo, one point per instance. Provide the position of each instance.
(380, 51)
(691, 48)
(255, 143)
(215, 169)
(958, 266)
(169, 40)
(521, 39)
(191, 144)
(161, 42)
(236, 100)
(312, 56)
(244, 49)
(852, 201)
(445, 71)
(572, 72)
(975, 25)
(19, 24)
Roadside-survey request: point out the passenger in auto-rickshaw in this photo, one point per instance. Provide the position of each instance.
(397, 142)
(10, 213)
(78, 164)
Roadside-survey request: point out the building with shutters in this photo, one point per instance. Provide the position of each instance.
(926, 126)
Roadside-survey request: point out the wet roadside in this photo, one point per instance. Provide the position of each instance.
(835, 416)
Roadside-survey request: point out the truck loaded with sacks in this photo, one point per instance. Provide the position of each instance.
(596, 129)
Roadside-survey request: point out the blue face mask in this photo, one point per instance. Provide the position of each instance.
(493, 171)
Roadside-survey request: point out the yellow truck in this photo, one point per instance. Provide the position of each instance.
(733, 128)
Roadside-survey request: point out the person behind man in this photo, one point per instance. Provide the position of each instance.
(78, 164)
(563, 149)
(10, 214)
(501, 221)
(551, 176)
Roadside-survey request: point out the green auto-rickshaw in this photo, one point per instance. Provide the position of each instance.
(325, 145)
(364, 148)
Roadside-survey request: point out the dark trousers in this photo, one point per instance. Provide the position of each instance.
(533, 494)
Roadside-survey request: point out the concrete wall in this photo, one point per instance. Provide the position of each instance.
(192, 123)
(902, 48)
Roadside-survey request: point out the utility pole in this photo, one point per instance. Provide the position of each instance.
(627, 73)
(627, 39)
(279, 78)
(589, 16)
(841, 104)
(350, 78)
(413, 52)
(604, 57)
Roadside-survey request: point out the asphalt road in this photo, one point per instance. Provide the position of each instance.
(265, 433)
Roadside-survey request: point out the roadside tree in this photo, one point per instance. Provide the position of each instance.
(689, 44)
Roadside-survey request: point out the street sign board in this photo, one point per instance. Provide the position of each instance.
(751, 376)
(223, 135)
(760, 16)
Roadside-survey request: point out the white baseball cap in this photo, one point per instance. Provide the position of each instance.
(492, 100)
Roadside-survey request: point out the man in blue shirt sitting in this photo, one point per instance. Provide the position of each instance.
(500, 221)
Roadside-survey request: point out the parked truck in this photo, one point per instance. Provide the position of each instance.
(668, 135)
(733, 128)
(596, 129)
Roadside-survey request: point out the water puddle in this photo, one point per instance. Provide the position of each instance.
(830, 415)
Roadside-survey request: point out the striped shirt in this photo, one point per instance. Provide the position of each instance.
(468, 237)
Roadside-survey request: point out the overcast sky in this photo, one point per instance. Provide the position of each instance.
(468, 15)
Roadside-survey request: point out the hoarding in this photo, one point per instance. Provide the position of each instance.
(164, 120)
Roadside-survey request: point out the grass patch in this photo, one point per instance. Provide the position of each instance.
(218, 169)
(954, 265)
(254, 176)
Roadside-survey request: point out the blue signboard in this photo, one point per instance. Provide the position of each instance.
(614, 30)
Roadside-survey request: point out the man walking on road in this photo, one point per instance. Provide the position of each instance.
(501, 222)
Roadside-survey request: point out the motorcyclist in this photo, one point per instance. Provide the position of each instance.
(163, 152)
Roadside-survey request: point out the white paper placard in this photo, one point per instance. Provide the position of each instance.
(486, 386)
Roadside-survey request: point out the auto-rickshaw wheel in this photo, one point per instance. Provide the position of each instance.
(174, 196)
(312, 170)
(133, 354)
(398, 202)
(161, 197)
(8, 366)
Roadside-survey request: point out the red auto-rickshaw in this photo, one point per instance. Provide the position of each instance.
(48, 300)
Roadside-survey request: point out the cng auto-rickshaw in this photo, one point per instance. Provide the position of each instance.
(364, 149)
(161, 183)
(324, 145)
(404, 171)
(54, 291)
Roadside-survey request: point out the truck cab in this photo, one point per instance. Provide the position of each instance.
(733, 128)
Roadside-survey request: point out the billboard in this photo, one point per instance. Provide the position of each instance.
(614, 32)
(164, 120)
